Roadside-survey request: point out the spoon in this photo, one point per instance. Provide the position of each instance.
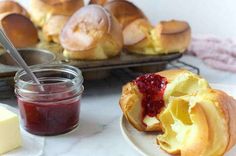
(9, 47)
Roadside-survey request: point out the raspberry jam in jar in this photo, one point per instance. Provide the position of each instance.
(52, 107)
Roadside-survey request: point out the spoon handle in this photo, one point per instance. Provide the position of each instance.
(8, 46)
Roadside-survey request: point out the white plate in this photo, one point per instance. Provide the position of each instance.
(145, 143)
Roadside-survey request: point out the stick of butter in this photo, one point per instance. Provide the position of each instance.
(9, 131)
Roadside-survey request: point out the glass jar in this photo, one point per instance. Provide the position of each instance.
(53, 107)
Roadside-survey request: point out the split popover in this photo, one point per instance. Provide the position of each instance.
(92, 33)
(194, 119)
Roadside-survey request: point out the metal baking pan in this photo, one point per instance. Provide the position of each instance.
(39, 55)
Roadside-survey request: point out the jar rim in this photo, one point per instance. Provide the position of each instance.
(46, 67)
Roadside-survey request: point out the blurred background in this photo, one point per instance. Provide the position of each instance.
(215, 17)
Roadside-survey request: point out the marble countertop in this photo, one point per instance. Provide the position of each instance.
(99, 132)
(99, 128)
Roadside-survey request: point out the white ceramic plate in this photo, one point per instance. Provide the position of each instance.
(145, 143)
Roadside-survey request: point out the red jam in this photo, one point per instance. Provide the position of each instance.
(152, 86)
(53, 106)
(50, 115)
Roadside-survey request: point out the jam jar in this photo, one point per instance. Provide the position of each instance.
(53, 106)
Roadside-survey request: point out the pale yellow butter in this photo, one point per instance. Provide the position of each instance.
(150, 121)
(9, 131)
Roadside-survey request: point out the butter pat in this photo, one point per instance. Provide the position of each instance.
(9, 131)
(150, 121)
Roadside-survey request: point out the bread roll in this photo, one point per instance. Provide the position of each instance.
(166, 37)
(8, 6)
(16, 24)
(52, 28)
(195, 119)
(172, 36)
(142, 38)
(91, 33)
(100, 2)
(24, 34)
(124, 11)
(136, 32)
(42, 10)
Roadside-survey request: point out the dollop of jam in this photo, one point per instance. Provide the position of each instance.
(152, 86)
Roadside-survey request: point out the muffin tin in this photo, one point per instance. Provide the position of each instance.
(34, 56)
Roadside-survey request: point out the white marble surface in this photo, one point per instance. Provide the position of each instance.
(99, 132)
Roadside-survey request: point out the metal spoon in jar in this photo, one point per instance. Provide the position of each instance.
(9, 47)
